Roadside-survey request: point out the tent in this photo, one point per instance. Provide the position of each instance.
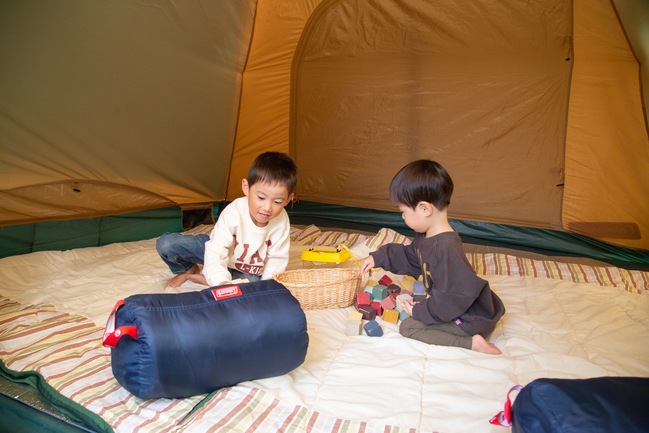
(109, 110)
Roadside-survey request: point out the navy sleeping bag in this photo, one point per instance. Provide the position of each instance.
(179, 345)
(597, 405)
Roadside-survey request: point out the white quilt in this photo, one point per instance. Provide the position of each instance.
(552, 328)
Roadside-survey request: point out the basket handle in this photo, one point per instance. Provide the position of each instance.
(343, 246)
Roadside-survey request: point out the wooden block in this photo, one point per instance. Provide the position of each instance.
(380, 292)
(393, 288)
(391, 316)
(401, 298)
(403, 315)
(388, 303)
(371, 283)
(354, 327)
(407, 282)
(419, 298)
(363, 298)
(373, 329)
(368, 312)
(418, 288)
(385, 280)
(355, 315)
(377, 307)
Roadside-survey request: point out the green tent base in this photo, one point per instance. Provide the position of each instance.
(542, 241)
(63, 235)
(55, 412)
(89, 232)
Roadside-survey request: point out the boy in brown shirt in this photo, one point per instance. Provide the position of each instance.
(461, 309)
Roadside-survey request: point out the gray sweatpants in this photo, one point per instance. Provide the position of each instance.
(443, 334)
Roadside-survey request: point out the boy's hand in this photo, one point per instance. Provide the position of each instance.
(407, 305)
(366, 264)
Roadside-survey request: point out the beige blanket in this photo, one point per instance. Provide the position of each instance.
(563, 320)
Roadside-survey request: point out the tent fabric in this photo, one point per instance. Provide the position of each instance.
(113, 107)
(512, 170)
(487, 100)
(89, 232)
(53, 412)
(607, 163)
(536, 109)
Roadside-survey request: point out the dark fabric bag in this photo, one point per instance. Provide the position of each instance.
(597, 405)
(179, 345)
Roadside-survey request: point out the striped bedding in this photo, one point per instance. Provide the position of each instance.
(65, 350)
(495, 264)
(412, 388)
(505, 264)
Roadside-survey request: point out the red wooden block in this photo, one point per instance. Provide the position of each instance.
(388, 303)
(362, 298)
(385, 280)
(377, 307)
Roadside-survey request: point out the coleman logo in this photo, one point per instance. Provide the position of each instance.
(226, 292)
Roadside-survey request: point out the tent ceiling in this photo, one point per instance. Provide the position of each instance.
(135, 96)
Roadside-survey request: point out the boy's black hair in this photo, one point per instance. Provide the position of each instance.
(422, 180)
(274, 168)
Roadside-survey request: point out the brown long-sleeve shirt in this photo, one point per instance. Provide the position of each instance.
(455, 293)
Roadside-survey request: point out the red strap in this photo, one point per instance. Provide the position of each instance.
(504, 417)
(112, 335)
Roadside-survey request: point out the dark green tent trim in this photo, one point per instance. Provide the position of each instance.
(89, 232)
(542, 241)
(63, 235)
(76, 418)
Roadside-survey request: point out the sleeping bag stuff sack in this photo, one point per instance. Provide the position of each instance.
(596, 405)
(180, 345)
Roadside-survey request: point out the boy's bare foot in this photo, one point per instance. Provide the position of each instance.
(479, 344)
(179, 279)
(198, 278)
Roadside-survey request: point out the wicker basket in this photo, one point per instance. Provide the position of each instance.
(319, 289)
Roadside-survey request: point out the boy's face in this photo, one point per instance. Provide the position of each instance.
(265, 201)
(417, 218)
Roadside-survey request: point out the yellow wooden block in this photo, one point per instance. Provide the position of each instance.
(391, 316)
(355, 315)
(407, 282)
(371, 283)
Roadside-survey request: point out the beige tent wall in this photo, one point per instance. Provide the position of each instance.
(524, 185)
(112, 107)
(116, 106)
(265, 99)
(607, 149)
(379, 84)
(634, 16)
